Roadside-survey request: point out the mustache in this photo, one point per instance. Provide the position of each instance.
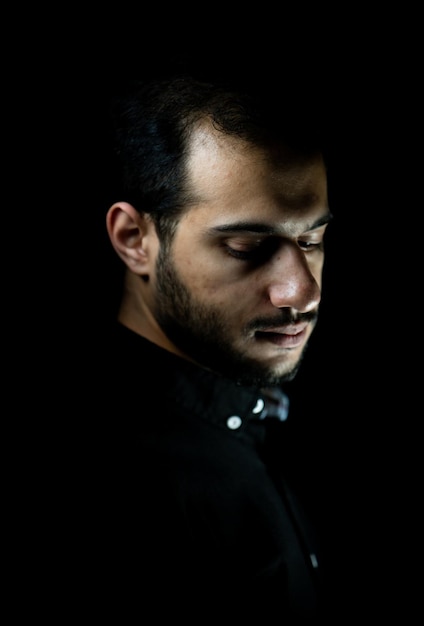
(285, 317)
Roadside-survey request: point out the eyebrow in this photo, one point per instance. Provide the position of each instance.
(260, 227)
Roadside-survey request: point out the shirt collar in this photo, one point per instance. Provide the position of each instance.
(200, 392)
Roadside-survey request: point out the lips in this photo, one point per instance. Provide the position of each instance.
(290, 336)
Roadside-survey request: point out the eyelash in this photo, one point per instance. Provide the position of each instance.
(242, 256)
(310, 245)
(249, 255)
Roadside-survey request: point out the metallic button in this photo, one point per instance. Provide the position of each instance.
(259, 406)
(234, 422)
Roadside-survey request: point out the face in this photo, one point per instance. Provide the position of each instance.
(239, 289)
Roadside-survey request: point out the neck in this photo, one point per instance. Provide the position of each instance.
(136, 313)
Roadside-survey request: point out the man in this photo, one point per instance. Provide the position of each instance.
(220, 227)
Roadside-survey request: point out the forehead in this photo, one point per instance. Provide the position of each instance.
(228, 176)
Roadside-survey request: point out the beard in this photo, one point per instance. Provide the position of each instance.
(202, 333)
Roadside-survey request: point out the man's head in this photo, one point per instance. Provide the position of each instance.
(221, 223)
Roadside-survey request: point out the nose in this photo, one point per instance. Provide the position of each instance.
(296, 280)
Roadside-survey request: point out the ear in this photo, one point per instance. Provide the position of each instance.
(133, 237)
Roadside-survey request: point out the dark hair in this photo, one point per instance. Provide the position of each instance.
(152, 122)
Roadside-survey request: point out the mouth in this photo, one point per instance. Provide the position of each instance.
(291, 336)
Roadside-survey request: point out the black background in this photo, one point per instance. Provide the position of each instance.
(355, 449)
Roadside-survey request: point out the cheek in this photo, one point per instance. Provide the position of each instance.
(211, 284)
(198, 269)
(316, 269)
(202, 278)
(318, 278)
(212, 277)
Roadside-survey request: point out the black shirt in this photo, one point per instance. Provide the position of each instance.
(185, 507)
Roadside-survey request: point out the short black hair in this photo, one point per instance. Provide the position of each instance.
(153, 116)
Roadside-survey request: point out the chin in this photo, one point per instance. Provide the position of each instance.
(286, 373)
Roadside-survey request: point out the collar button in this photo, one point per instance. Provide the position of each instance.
(234, 422)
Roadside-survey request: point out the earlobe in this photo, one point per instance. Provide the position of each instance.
(128, 232)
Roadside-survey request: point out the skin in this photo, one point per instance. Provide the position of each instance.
(239, 289)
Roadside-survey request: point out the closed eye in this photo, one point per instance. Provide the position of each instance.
(313, 240)
(311, 245)
(257, 251)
